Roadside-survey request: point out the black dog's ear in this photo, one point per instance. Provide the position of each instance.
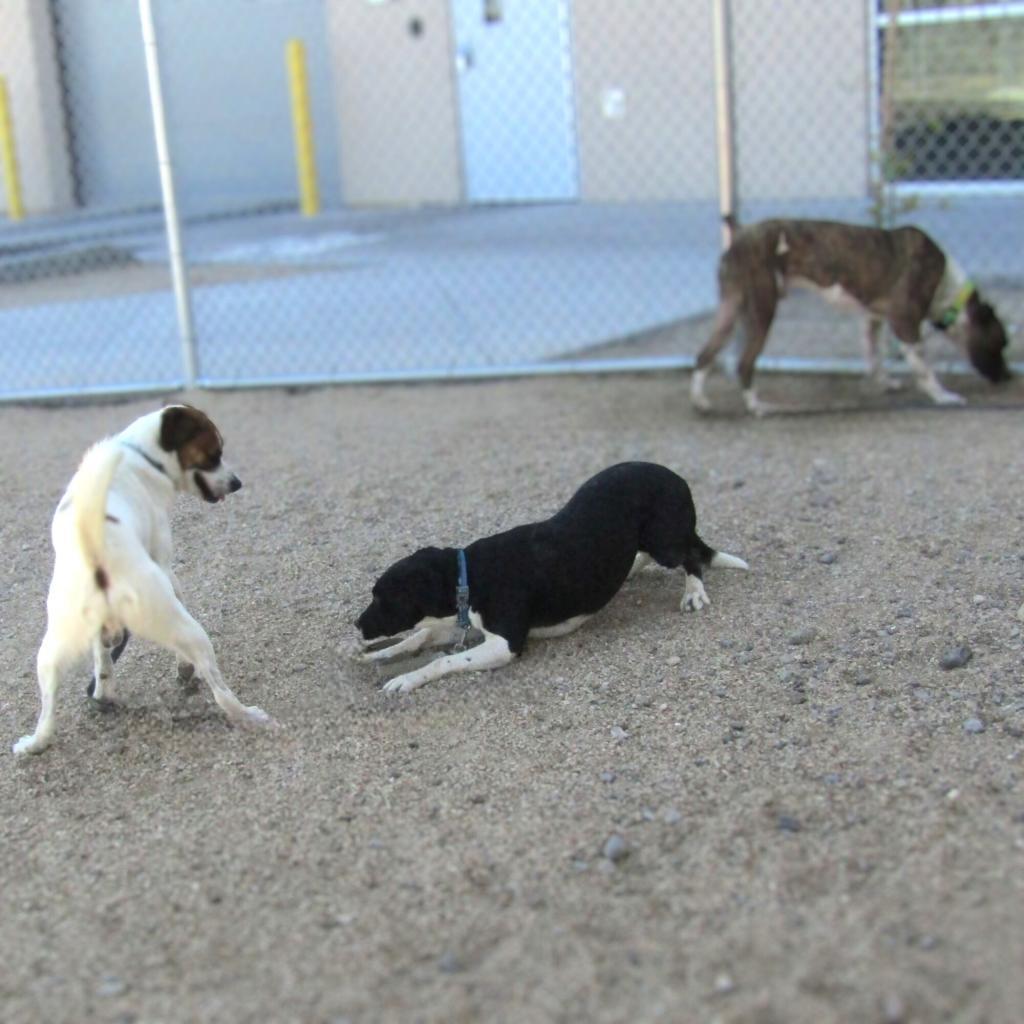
(178, 425)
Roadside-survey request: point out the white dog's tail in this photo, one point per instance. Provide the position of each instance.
(89, 504)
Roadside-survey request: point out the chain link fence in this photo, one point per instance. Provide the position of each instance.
(465, 187)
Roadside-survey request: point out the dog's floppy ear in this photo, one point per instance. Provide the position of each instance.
(980, 311)
(179, 424)
(189, 432)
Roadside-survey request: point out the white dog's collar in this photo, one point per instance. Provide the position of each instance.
(158, 466)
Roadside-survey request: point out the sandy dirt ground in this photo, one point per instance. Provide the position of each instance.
(816, 821)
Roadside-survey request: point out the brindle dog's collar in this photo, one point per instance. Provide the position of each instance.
(951, 313)
(158, 466)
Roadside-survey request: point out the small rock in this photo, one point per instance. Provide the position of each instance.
(724, 984)
(111, 986)
(615, 848)
(449, 963)
(827, 557)
(1020, 613)
(608, 777)
(671, 816)
(974, 725)
(893, 1009)
(803, 636)
(905, 612)
(673, 661)
(787, 823)
(862, 679)
(647, 813)
(979, 599)
(797, 697)
(618, 733)
(957, 657)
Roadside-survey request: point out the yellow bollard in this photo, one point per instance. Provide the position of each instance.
(302, 122)
(9, 157)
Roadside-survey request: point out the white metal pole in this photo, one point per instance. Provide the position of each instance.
(723, 114)
(179, 277)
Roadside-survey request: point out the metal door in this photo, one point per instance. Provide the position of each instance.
(515, 99)
(222, 66)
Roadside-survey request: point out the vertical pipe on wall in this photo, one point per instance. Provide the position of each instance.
(302, 122)
(9, 157)
(724, 115)
(179, 277)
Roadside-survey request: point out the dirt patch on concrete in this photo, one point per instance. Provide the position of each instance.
(817, 822)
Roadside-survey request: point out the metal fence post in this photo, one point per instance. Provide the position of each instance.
(724, 115)
(9, 154)
(302, 121)
(179, 277)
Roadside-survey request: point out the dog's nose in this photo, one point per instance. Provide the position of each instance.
(234, 485)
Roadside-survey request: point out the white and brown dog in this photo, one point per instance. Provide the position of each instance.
(112, 572)
(901, 277)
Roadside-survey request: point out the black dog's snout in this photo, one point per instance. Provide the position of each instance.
(235, 485)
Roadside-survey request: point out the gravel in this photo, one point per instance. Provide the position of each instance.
(197, 865)
(615, 848)
(803, 636)
(957, 657)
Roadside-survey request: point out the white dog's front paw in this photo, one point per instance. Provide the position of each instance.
(695, 596)
(948, 398)
(30, 745)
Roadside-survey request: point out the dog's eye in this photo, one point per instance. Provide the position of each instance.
(211, 463)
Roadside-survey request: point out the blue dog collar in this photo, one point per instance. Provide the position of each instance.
(462, 593)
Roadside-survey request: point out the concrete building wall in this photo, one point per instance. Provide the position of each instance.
(28, 62)
(396, 101)
(643, 81)
(644, 99)
(801, 88)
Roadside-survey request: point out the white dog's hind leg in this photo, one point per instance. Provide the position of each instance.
(102, 670)
(186, 670)
(107, 646)
(48, 663)
(168, 623)
(492, 653)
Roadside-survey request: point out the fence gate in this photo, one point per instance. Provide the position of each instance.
(515, 100)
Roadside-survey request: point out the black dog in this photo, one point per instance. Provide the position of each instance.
(544, 579)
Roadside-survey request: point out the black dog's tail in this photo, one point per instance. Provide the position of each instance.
(718, 559)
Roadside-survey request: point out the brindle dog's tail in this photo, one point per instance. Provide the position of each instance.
(732, 225)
